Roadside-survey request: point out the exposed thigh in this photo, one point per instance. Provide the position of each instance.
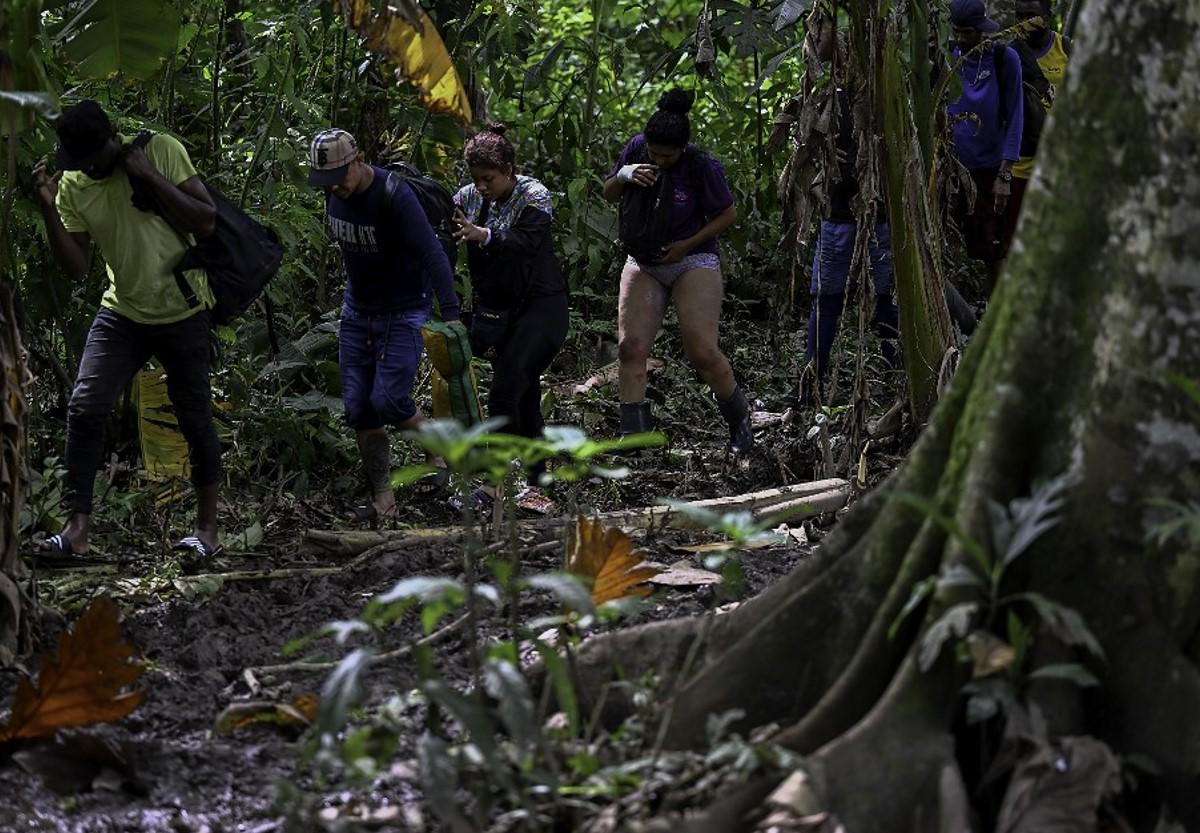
(641, 304)
(697, 295)
(114, 351)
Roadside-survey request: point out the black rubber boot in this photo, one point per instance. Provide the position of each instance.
(636, 418)
(736, 411)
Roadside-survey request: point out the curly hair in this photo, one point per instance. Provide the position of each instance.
(670, 124)
(490, 149)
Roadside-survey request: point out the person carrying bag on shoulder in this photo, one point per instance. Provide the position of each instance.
(519, 312)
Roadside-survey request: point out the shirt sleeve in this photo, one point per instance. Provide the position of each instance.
(171, 158)
(416, 236)
(525, 236)
(65, 203)
(715, 195)
(632, 151)
(1014, 100)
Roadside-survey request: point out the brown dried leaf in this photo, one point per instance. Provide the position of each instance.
(607, 556)
(989, 654)
(83, 683)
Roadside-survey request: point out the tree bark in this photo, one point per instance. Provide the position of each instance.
(1076, 371)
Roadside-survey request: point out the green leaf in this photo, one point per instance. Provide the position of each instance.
(954, 623)
(439, 781)
(1065, 622)
(470, 715)
(560, 678)
(423, 588)
(131, 37)
(921, 591)
(1069, 671)
(342, 691)
(789, 12)
(567, 588)
(927, 508)
(1032, 517)
(504, 683)
(43, 103)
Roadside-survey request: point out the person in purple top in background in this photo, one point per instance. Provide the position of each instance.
(688, 271)
(988, 119)
(394, 262)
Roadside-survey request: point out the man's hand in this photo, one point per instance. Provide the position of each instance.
(643, 175)
(137, 163)
(1001, 190)
(675, 252)
(467, 232)
(44, 185)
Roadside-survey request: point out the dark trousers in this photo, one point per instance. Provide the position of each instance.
(116, 350)
(823, 327)
(537, 334)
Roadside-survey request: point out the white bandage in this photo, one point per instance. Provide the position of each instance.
(626, 173)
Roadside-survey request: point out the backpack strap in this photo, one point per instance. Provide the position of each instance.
(385, 207)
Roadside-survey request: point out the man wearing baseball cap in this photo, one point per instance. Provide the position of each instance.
(394, 265)
(988, 120)
(143, 312)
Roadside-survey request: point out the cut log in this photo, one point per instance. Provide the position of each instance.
(800, 500)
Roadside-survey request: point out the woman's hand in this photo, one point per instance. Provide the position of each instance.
(676, 251)
(467, 232)
(643, 175)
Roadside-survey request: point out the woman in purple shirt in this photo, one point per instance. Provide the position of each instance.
(687, 272)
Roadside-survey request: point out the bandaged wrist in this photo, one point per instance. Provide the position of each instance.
(626, 173)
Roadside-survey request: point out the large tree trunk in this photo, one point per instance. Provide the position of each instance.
(1074, 372)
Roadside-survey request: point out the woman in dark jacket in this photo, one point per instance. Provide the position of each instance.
(520, 297)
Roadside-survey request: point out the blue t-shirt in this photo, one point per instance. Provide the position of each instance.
(701, 191)
(983, 134)
(390, 275)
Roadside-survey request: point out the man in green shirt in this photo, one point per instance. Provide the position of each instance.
(144, 312)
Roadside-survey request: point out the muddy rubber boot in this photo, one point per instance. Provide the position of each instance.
(736, 411)
(636, 418)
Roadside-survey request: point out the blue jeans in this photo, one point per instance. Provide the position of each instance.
(379, 355)
(116, 349)
(831, 275)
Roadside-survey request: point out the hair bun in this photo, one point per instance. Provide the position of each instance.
(676, 100)
(497, 127)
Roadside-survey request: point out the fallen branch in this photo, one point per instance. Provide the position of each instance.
(398, 653)
(347, 544)
(606, 375)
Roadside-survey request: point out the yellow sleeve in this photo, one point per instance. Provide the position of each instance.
(170, 157)
(65, 203)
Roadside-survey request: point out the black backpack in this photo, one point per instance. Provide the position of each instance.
(1035, 88)
(644, 219)
(435, 200)
(240, 257)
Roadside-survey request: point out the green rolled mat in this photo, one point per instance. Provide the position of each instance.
(455, 388)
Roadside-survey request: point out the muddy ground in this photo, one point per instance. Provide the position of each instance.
(198, 636)
(184, 778)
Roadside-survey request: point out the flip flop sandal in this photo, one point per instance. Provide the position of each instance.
(367, 513)
(58, 552)
(433, 483)
(198, 550)
(481, 501)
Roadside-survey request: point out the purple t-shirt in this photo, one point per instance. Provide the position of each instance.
(989, 135)
(700, 188)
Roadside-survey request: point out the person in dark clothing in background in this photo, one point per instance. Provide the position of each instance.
(835, 253)
(520, 311)
(988, 119)
(394, 263)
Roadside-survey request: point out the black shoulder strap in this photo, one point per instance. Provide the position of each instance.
(385, 211)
